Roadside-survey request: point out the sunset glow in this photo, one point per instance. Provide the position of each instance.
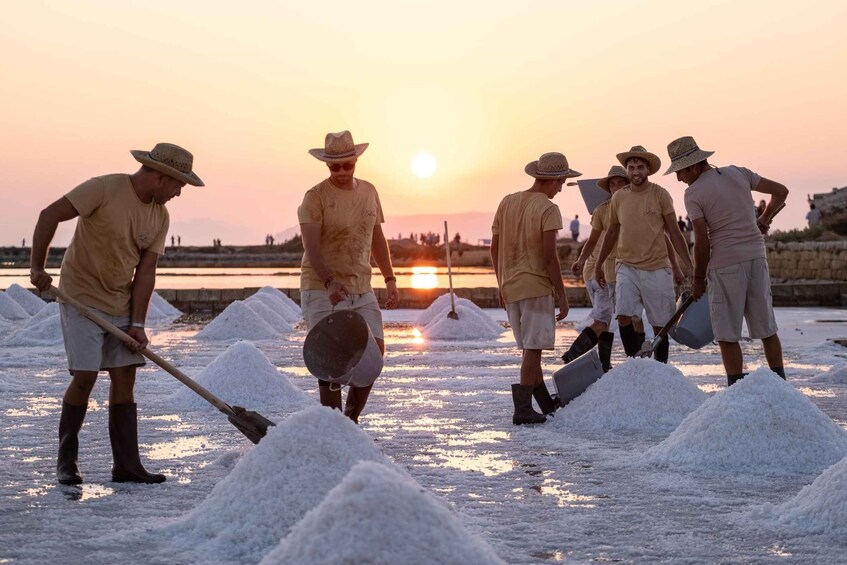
(424, 277)
(424, 165)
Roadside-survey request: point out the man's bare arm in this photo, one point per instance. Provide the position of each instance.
(59, 211)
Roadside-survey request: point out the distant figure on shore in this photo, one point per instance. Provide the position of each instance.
(813, 216)
(179, 241)
(341, 223)
(23, 242)
(729, 251)
(682, 225)
(575, 227)
(110, 266)
(526, 262)
(173, 241)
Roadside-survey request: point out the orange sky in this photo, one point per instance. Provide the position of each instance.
(483, 86)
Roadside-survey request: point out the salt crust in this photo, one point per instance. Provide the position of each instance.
(10, 309)
(472, 324)
(237, 321)
(8, 384)
(759, 425)
(28, 301)
(640, 395)
(377, 507)
(837, 374)
(268, 314)
(243, 375)
(272, 487)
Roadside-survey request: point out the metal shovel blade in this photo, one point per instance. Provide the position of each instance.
(252, 424)
(648, 347)
(453, 315)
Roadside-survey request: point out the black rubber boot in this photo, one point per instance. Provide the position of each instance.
(604, 349)
(779, 371)
(328, 396)
(661, 353)
(70, 423)
(583, 343)
(524, 413)
(123, 433)
(356, 399)
(546, 403)
(642, 337)
(631, 343)
(732, 379)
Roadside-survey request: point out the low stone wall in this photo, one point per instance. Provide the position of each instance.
(808, 261)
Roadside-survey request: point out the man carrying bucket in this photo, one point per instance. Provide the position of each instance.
(110, 266)
(729, 251)
(602, 299)
(641, 218)
(526, 262)
(340, 222)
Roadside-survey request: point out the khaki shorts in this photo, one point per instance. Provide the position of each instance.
(91, 348)
(652, 291)
(316, 306)
(602, 301)
(741, 290)
(533, 322)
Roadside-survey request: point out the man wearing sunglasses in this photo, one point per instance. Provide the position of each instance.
(340, 222)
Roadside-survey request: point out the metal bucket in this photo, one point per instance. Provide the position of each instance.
(341, 349)
(694, 327)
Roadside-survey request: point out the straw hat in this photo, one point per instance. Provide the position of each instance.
(551, 166)
(616, 171)
(170, 159)
(638, 151)
(338, 147)
(684, 153)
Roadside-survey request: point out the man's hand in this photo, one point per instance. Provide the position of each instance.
(393, 295)
(577, 267)
(337, 292)
(599, 276)
(140, 337)
(698, 288)
(763, 227)
(563, 308)
(678, 277)
(40, 279)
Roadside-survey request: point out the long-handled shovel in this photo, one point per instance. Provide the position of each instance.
(648, 348)
(452, 314)
(251, 424)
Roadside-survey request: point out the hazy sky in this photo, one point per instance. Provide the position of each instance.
(483, 86)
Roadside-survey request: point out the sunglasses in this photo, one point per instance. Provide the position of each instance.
(335, 167)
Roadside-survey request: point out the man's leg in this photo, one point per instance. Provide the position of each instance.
(531, 377)
(629, 337)
(357, 396)
(74, 407)
(773, 354)
(733, 361)
(662, 350)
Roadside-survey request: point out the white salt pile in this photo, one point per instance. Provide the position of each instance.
(49, 310)
(641, 395)
(284, 298)
(819, 508)
(28, 301)
(280, 304)
(759, 425)
(164, 306)
(268, 314)
(377, 515)
(473, 322)
(837, 374)
(160, 312)
(243, 376)
(41, 330)
(10, 309)
(272, 487)
(237, 321)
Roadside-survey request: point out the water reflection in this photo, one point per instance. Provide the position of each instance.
(564, 498)
(424, 277)
(180, 447)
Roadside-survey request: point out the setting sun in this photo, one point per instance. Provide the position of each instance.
(423, 165)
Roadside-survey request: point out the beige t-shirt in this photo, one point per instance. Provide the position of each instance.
(347, 219)
(722, 197)
(520, 221)
(600, 222)
(641, 241)
(113, 229)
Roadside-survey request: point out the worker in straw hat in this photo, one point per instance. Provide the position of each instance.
(526, 262)
(729, 251)
(341, 225)
(110, 266)
(602, 298)
(642, 226)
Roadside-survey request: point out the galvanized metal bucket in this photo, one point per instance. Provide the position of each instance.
(694, 327)
(342, 350)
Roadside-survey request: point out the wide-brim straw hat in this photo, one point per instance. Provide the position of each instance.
(653, 160)
(684, 152)
(338, 147)
(171, 160)
(616, 171)
(551, 166)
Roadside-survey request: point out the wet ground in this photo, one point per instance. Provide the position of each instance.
(442, 410)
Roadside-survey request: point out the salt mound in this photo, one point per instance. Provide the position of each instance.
(759, 425)
(290, 312)
(237, 321)
(164, 306)
(377, 515)
(160, 312)
(49, 310)
(837, 374)
(473, 323)
(268, 314)
(44, 331)
(270, 489)
(28, 301)
(243, 376)
(819, 508)
(276, 293)
(10, 309)
(641, 395)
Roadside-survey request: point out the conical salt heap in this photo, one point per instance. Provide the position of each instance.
(269, 314)
(28, 301)
(286, 301)
(10, 309)
(237, 321)
(759, 425)
(378, 515)
(472, 324)
(44, 328)
(837, 374)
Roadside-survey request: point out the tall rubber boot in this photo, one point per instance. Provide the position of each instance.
(524, 413)
(604, 349)
(123, 434)
(631, 343)
(328, 396)
(546, 403)
(779, 371)
(70, 423)
(583, 343)
(662, 351)
(357, 396)
(732, 379)
(642, 337)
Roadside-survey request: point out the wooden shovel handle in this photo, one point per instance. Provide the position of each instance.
(124, 337)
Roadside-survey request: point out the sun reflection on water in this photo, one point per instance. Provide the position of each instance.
(424, 277)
